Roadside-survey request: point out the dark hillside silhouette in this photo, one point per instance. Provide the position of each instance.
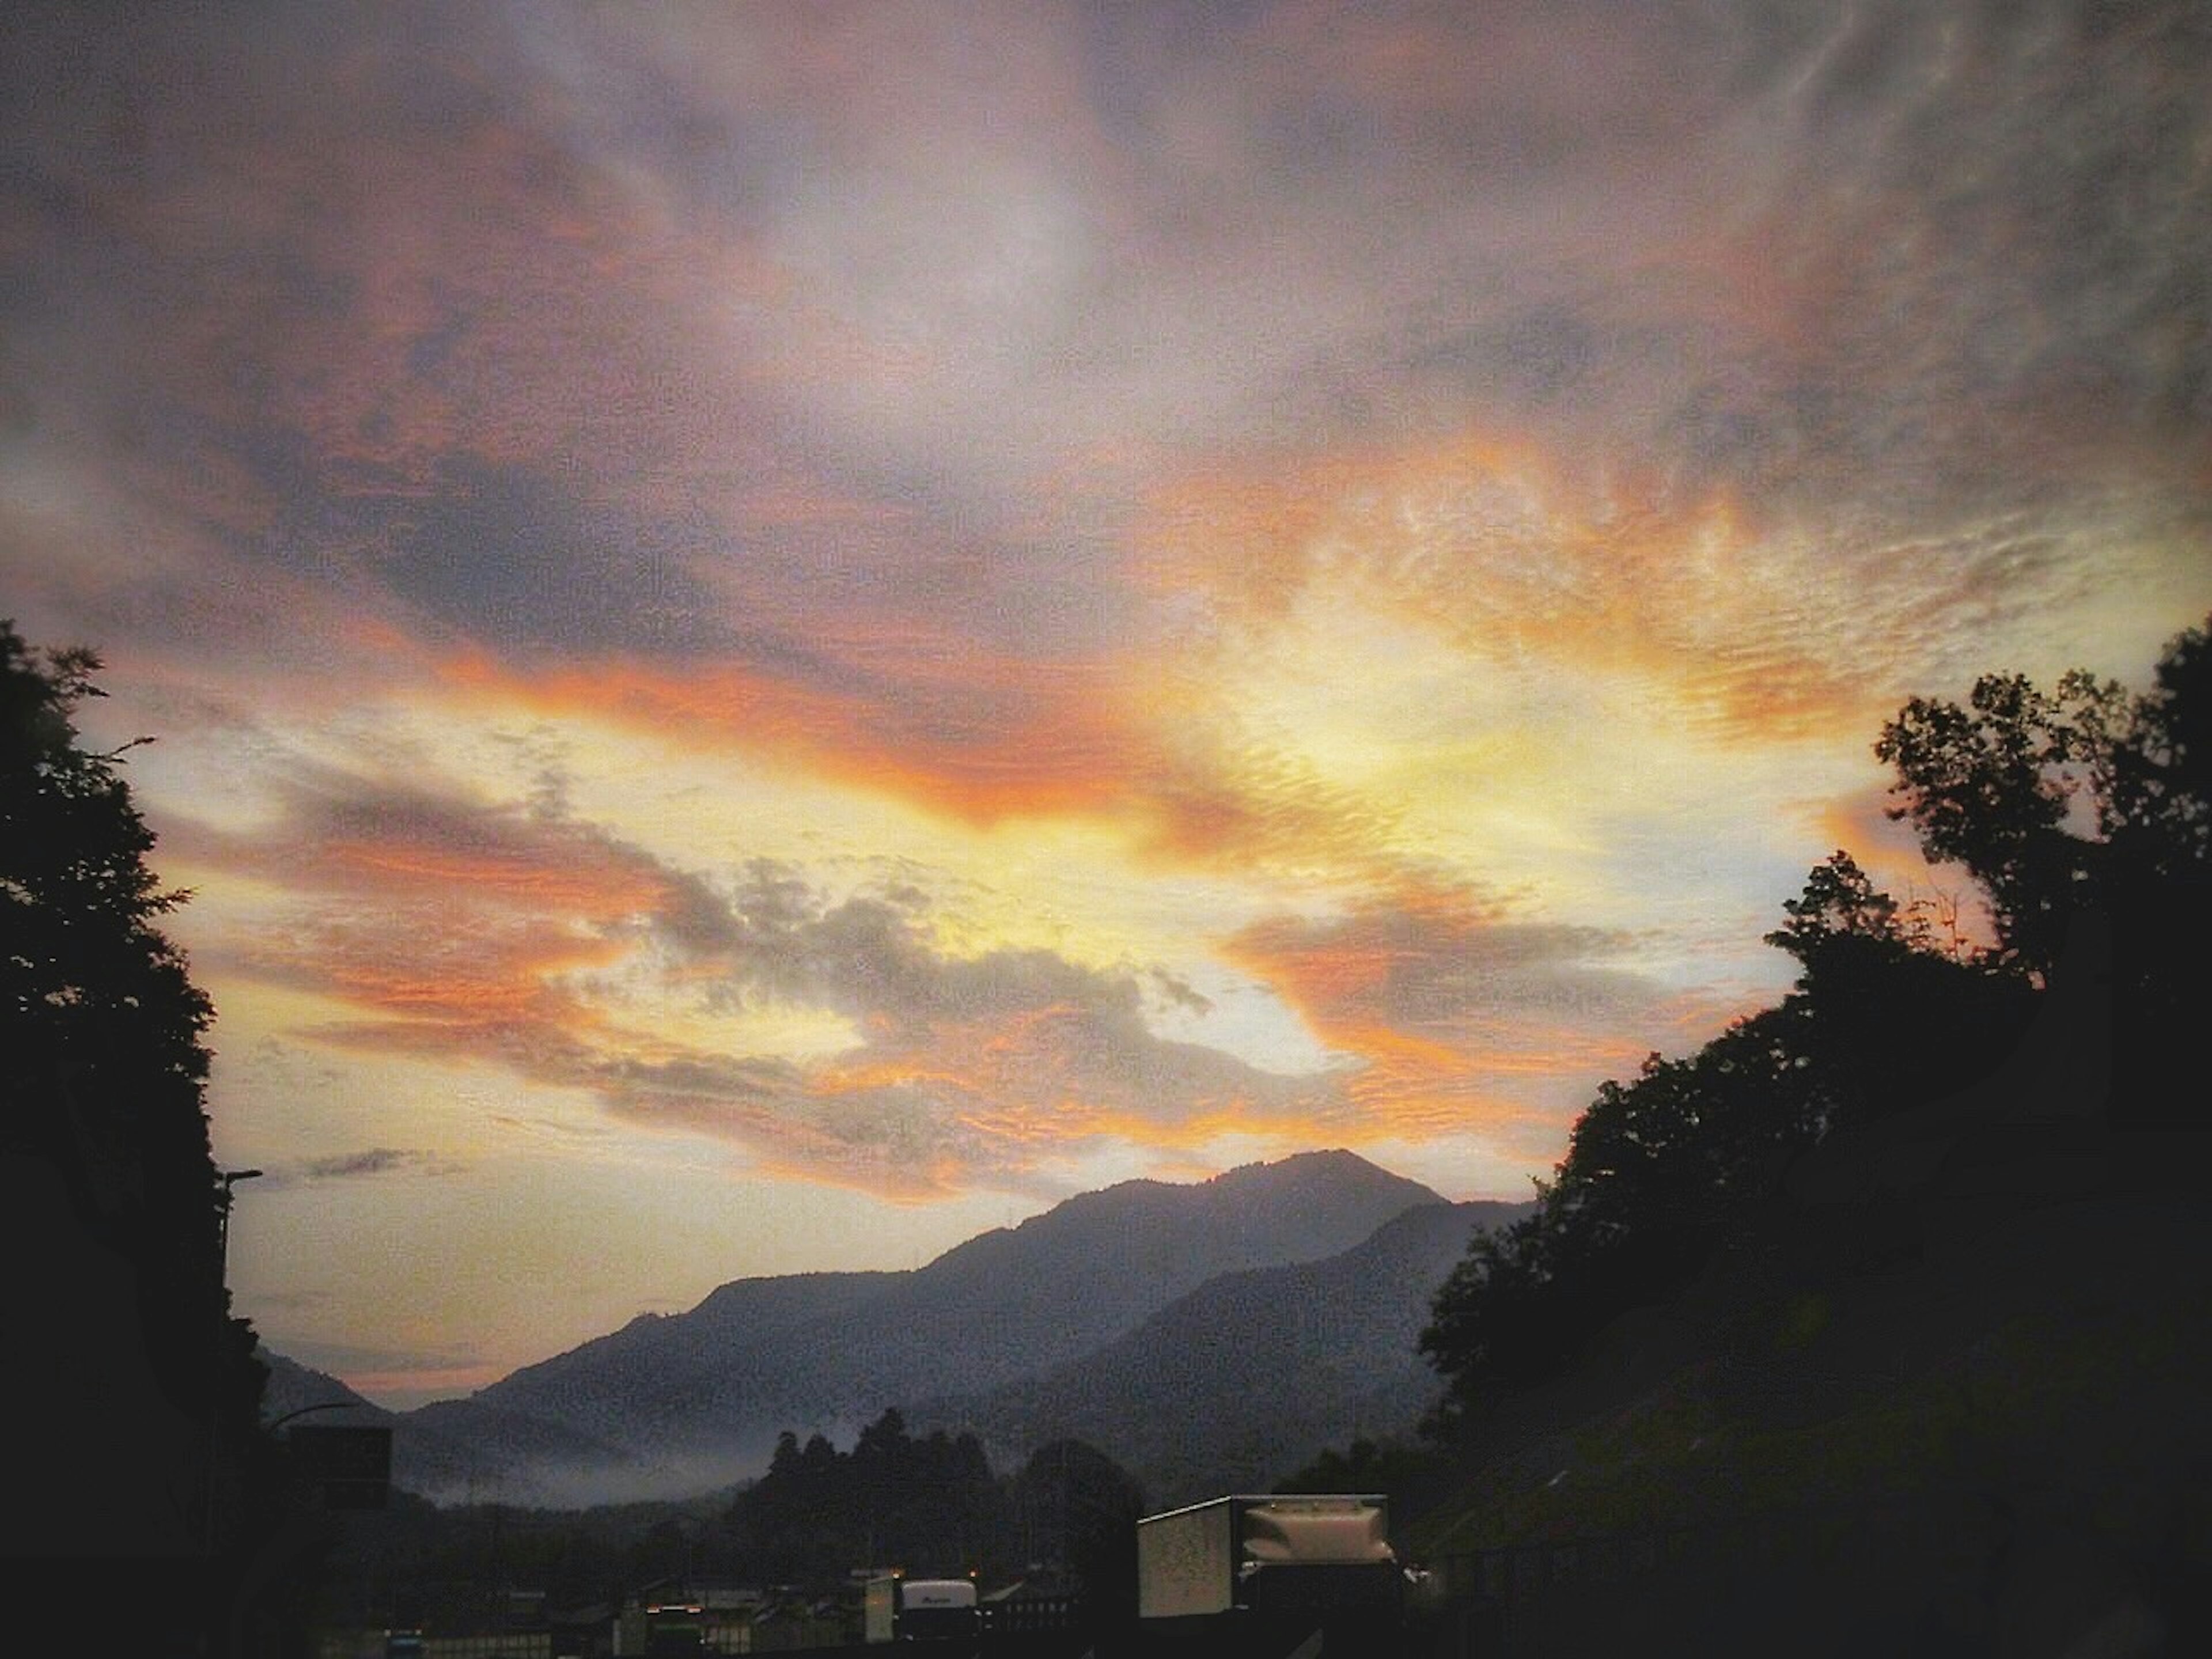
(1659, 1171)
(1880, 1318)
(2085, 815)
(133, 1391)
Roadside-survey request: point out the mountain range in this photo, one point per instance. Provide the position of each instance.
(1204, 1335)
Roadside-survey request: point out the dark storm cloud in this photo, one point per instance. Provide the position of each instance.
(510, 560)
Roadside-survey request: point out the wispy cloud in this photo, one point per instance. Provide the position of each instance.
(931, 594)
(461, 929)
(374, 1161)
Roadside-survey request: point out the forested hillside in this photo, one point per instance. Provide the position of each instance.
(1920, 1254)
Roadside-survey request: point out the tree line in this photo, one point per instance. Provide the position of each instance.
(930, 1506)
(2082, 815)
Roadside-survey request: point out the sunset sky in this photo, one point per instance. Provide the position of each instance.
(781, 633)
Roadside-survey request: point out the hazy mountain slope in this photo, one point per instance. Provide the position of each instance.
(293, 1386)
(695, 1398)
(487, 1456)
(1064, 1282)
(1253, 1372)
(758, 1338)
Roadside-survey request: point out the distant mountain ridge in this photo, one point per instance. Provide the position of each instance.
(675, 1403)
(1253, 1372)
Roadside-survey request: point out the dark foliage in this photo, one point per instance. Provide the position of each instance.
(105, 1065)
(2003, 786)
(2086, 817)
(101, 1089)
(1659, 1168)
(928, 1506)
(1076, 1511)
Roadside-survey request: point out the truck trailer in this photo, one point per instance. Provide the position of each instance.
(896, 1609)
(1281, 1556)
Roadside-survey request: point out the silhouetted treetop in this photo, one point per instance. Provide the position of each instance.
(2083, 803)
(84, 968)
(1839, 906)
(101, 1029)
(105, 1063)
(2017, 786)
(928, 1505)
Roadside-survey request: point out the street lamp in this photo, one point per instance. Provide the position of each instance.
(275, 1423)
(226, 1180)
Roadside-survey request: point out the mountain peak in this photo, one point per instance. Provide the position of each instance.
(1337, 1171)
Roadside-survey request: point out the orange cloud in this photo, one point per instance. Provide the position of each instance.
(976, 738)
(1453, 1008)
(462, 983)
(600, 895)
(465, 931)
(1751, 630)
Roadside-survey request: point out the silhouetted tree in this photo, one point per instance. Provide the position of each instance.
(1078, 1511)
(1885, 1016)
(2017, 786)
(930, 1506)
(1655, 1170)
(2084, 812)
(102, 1082)
(2079, 803)
(2162, 787)
(1661, 1170)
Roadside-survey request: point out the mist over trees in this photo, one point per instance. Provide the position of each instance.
(2083, 815)
(931, 1507)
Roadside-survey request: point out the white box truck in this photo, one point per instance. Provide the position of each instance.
(896, 1609)
(1284, 1553)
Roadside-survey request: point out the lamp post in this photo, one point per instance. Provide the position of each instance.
(225, 1181)
(275, 1423)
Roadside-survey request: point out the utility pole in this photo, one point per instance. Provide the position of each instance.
(224, 1182)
